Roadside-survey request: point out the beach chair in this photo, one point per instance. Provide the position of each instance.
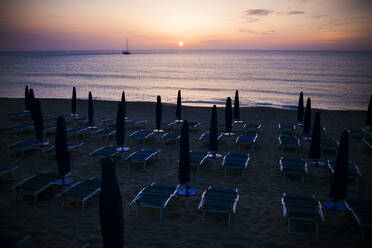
(70, 147)
(219, 200)
(142, 135)
(353, 172)
(36, 184)
(235, 160)
(193, 125)
(19, 115)
(246, 140)
(302, 208)
(361, 208)
(89, 246)
(12, 241)
(142, 156)
(289, 142)
(24, 145)
(368, 141)
(156, 195)
(204, 138)
(6, 169)
(104, 152)
(50, 129)
(253, 127)
(19, 128)
(328, 144)
(81, 191)
(197, 159)
(75, 131)
(173, 137)
(286, 128)
(293, 166)
(356, 132)
(105, 133)
(135, 123)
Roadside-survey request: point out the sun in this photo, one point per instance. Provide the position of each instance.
(180, 43)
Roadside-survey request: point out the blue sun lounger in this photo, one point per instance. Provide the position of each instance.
(293, 166)
(252, 127)
(368, 141)
(219, 200)
(81, 191)
(49, 129)
(246, 140)
(171, 137)
(328, 144)
(142, 156)
(104, 152)
(24, 145)
(197, 159)
(235, 160)
(19, 128)
(356, 132)
(289, 142)
(361, 208)
(70, 147)
(304, 208)
(36, 184)
(204, 138)
(157, 195)
(105, 133)
(141, 135)
(6, 169)
(353, 172)
(75, 131)
(286, 128)
(19, 115)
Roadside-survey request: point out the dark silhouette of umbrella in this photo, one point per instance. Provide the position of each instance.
(228, 117)
(120, 128)
(369, 113)
(38, 121)
(158, 113)
(307, 120)
(110, 208)
(178, 108)
(213, 133)
(124, 104)
(27, 103)
(184, 156)
(90, 110)
(300, 108)
(31, 98)
(73, 102)
(62, 155)
(236, 107)
(315, 149)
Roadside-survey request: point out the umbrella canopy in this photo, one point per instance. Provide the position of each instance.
(38, 119)
(120, 126)
(178, 108)
(73, 101)
(31, 98)
(90, 109)
(369, 113)
(62, 156)
(213, 133)
(158, 112)
(315, 150)
(339, 184)
(228, 115)
(110, 208)
(27, 103)
(184, 156)
(307, 120)
(236, 106)
(300, 108)
(124, 104)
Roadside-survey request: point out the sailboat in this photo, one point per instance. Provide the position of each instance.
(126, 46)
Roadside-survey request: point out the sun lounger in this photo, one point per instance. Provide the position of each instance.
(219, 200)
(246, 140)
(103, 152)
(353, 172)
(361, 208)
(155, 196)
(294, 166)
(6, 169)
(36, 184)
(197, 159)
(19, 115)
(356, 132)
(105, 133)
(204, 138)
(286, 128)
(328, 144)
(142, 156)
(305, 208)
(171, 137)
(142, 135)
(70, 147)
(135, 123)
(289, 142)
(252, 127)
(12, 241)
(368, 141)
(24, 145)
(81, 191)
(75, 131)
(235, 160)
(89, 246)
(19, 128)
(49, 129)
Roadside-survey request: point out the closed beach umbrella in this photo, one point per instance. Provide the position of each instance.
(27, 103)
(90, 110)
(228, 115)
(31, 98)
(124, 104)
(369, 113)
(158, 112)
(213, 133)
(300, 108)
(184, 156)
(38, 120)
(307, 120)
(110, 208)
(73, 101)
(236, 107)
(120, 126)
(62, 155)
(315, 150)
(178, 108)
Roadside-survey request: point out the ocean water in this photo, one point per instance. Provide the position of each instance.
(332, 79)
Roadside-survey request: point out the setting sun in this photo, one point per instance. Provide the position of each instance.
(180, 44)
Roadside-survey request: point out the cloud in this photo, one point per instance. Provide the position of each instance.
(211, 41)
(318, 16)
(257, 12)
(256, 32)
(296, 12)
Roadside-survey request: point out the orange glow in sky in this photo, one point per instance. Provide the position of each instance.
(203, 25)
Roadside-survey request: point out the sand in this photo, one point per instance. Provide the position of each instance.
(258, 222)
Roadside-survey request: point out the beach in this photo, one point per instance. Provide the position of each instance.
(258, 222)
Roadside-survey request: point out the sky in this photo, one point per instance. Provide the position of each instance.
(200, 24)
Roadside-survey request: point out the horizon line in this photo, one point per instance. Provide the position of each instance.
(193, 50)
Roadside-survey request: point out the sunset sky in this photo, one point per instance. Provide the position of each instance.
(200, 24)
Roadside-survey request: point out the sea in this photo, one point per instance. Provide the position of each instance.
(336, 80)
